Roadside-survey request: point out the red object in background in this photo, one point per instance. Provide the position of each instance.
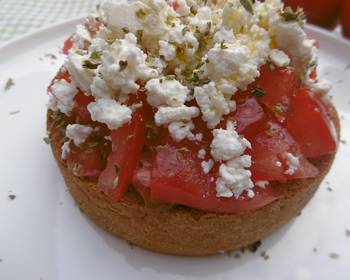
(346, 18)
(324, 13)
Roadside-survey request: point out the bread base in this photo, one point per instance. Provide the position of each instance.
(185, 231)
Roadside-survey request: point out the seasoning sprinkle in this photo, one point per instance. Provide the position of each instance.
(248, 5)
(264, 255)
(334, 256)
(258, 92)
(11, 196)
(14, 112)
(289, 15)
(117, 168)
(47, 140)
(9, 84)
(140, 13)
(122, 65)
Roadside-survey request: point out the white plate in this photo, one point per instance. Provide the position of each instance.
(43, 235)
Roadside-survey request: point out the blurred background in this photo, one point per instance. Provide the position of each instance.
(18, 17)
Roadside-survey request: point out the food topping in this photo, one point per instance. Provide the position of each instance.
(223, 88)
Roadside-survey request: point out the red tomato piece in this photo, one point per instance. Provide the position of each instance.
(269, 149)
(177, 177)
(68, 44)
(345, 18)
(249, 116)
(127, 143)
(85, 161)
(310, 125)
(278, 84)
(80, 112)
(324, 13)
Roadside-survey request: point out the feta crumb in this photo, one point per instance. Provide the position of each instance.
(279, 58)
(181, 130)
(124, 64)
(167, 50)
(292, 163)
(262, 184)
(109, 112)
(183, 9)
(78, 133)
(320, 86)
(201, 153)
(62, 96)
(207, 166)
(81, 76)
(166, 92)
(81, 37)
(278, 163)
(227, 144)
(212, 103)
(65, 149)
(234, 179)
(100, 89)
(166, 115)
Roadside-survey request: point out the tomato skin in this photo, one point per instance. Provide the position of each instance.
(269, 148)
(177, 177)
(345, 18)
(249, 116)
(84, 161)
(309, 123)
(324, 13)
(80, 112)
(127, 143)
(279, 84)
(68, 44)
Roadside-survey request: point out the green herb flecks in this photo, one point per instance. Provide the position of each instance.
(122, 65)
(9, 84)
(141, 13)
(95, 55)
(125, 30)
(117, 168)
(248, 5)
(289, 15)
(90, 65)
(258, 92)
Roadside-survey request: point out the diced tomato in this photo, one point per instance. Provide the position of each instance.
(85, 161)
(80, 112)
(177, 177)
(127, 143)
(269, 149)
(68, 44)
(249, 116)
(278, 84)
(310, 125)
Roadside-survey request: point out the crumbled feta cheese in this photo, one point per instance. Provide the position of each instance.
(320, 86)
(81, 37)
(181, 130)
(109, 112)
(100, 89)
(227, 144)
(207, 166)
(62, 96)
(124, 64)
(81, 75)
(166, 115)
(262, 184)
(201, 19)
(224, 35)
(201, 153)
(78, 133)
(278, 163)
(291, 38)
(183, 9)
(235, 16)
(279, 58)
(212, 103)
(65, 150)
(167, 50)
(292, 163)
(166, 92)
(234, 179)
